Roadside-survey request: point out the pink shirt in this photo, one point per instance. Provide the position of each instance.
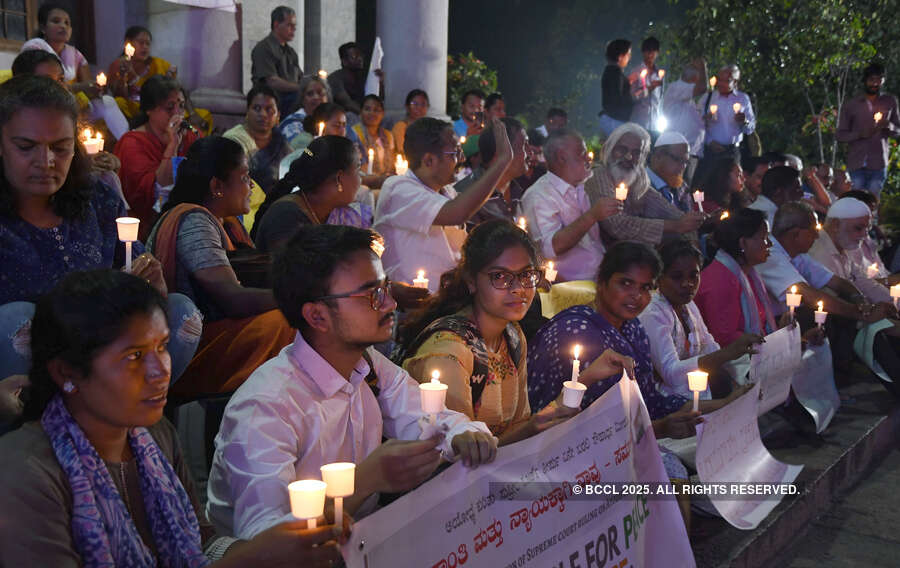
(719, 300)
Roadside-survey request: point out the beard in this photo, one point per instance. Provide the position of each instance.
(872, 90)
(621, 174)
(848, 243)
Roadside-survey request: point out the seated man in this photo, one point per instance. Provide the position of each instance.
(328, 396)
(779, 185)
(348, 83)
(668, 160)
(647, 215)
(420, 214)
(471, 114)
(505, 201)
(560, 219)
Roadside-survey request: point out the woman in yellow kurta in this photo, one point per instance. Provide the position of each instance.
(127, 75)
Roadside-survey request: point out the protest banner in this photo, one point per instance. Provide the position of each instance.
(492, 516)
(813, 385)
(730, 452)
(773, 366)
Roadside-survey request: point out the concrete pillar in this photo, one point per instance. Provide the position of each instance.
(255, 25)
(414, 37)
(329, 23)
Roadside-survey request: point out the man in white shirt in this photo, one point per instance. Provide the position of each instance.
(419, 214)
(329, 397)
(680, 110)
(733, 118)
(780, 185)
(560, 218)
(646, 83)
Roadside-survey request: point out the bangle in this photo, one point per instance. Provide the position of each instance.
(219, 547)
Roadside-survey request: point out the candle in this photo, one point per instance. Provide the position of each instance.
(128, 233)
(591, 156)
(371, 159)
(420, 281)
(723, 216)
(462, 140)
(712, 81)
(522, 223)
(697, 383)
(101, 80)
(872, 270)
(878, 116)
(621, 191)
(661, 73)
(323, 74)
(644, 78)
(339, 479)
(713, 109)
(433, 394)
(895, 294)
(401, 165)
(550, 272)
(698, 199)
(321, 128)
(129, 51)
(793, 299)
(736, 107)
(91, 145)
(820, 314)
(818, 226)
(576, 364)
(307, 500)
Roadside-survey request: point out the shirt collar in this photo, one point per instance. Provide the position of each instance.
(560, 185)
(320, 371)
(656, 181)
(825, 239)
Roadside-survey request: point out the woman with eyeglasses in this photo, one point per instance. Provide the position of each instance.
(469, 333)
(416, 107)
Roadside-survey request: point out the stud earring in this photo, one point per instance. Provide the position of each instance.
(340, 187)
(68, 387)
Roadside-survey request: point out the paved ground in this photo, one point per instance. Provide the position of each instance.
(862, 529)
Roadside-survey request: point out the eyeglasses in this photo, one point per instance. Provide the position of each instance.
(460, 156)
(621, 151)
(679, 159)
(377, 295)
(503, 279)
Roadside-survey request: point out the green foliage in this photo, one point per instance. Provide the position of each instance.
(464, 72)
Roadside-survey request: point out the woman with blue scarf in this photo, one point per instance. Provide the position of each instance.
(94, 477)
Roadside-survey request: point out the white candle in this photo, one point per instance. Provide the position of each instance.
(878, 116)
(339, 479)
(622, 192)
(644, 78)
(820, 314)
(371, 159)
(321, 128)
(698, 199)
(793, 299)
(128, 233)
(697, 381)
(550, 272)
(307, 500)
(401, 165)
(736, 107)
(712, 81)
(576, 364)
(101, 80)
(462, 140)
(129, 51)
(323, 74)
(522, 223)
(895, 294)
(92, 145)
(872, 270)
(713, 109)
(420, 281)
(433, 394)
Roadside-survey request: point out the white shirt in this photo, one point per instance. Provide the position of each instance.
(296, 413)
(843, 264)
(551, 204)
(767, 206)
(404, 215)
(725, 130)
(779, 272)
(681, 112)
(667, 344)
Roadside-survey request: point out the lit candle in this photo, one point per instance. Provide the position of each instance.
(872, 270)
(713, 109)
(129, 51)
(621, 191)
(698, 199)
(737, 108)
(462, 140)
(697, 383)
(723, 216)
(101, 80)
(591, 156)
(323, 74)
(793, 299)
(371, 159)
(434, 394)
(91, 145)
(522, 223)
(661, 73)
(895, 294)
(821, 314)
(550, 272)
(338, 478)
(712, 81)
(420, 281)
(128, 233)
(576, 364)
(321, 128)
(401, 165)
(644, 78)
(818, 226)
(573, 391)
(307, 500)
(878, 116)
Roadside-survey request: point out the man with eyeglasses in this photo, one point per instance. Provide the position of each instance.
(329, 396)
(647, 216)
(419, 214)
(668, 160)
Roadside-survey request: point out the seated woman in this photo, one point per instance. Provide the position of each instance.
(416, 107)
(313, 91)
(373, 137)
(335, 120)
(57, 217)
(469, 332)
(99, 478)
(242, 326)
(679, 339)
(732, 297)
(127, 76)
(722, 186)
(54, 33)
(146, 152)
(263, 143)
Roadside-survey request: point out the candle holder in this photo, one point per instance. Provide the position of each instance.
(339, 481)
(697, 382)
(420, 281)
(128, 233)
(550, 272)
(307, 500)
(434, 395)
(622, 192)
(793, 299)
(820, 314)
(573, 392)
(698, 199)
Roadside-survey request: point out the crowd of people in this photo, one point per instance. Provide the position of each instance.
(294, 269)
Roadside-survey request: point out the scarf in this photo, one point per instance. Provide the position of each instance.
(750, 281)
(102, 528)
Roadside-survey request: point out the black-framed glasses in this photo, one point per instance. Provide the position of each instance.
(377, 295)
(503, 279)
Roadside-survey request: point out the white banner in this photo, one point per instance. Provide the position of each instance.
(813, 385)
(372, 81)
(483, 517)
(773, 367)
(730, 451)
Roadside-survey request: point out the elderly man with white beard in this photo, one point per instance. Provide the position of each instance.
(647, 216)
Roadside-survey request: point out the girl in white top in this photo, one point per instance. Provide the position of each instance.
(679, 339)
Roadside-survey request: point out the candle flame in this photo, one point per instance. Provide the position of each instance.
(821, 306)
(435, 376)
(793, 289)
(87, 133)
(371, 153)
(522, 223)
(723, 216)
(321, 128)
(591, 155)
(818, 226)
(643, 73)
(129, 50)
(577, 351)
(712, 82)
(420, 274)
(661, 73)
(713, 109)
(550, 265)
(323, 74)
(101, 80)
(878, 116)
(736, 107)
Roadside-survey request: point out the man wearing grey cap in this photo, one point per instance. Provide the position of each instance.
(668, 160)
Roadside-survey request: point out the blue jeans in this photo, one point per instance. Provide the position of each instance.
(185, 323)
(868, 180)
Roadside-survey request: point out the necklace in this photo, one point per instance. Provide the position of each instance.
(125, 496)
(315, 218)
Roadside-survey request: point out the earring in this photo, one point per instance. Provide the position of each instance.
(68, 387)
(742, 250)
(219, 195)
(340, 187)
